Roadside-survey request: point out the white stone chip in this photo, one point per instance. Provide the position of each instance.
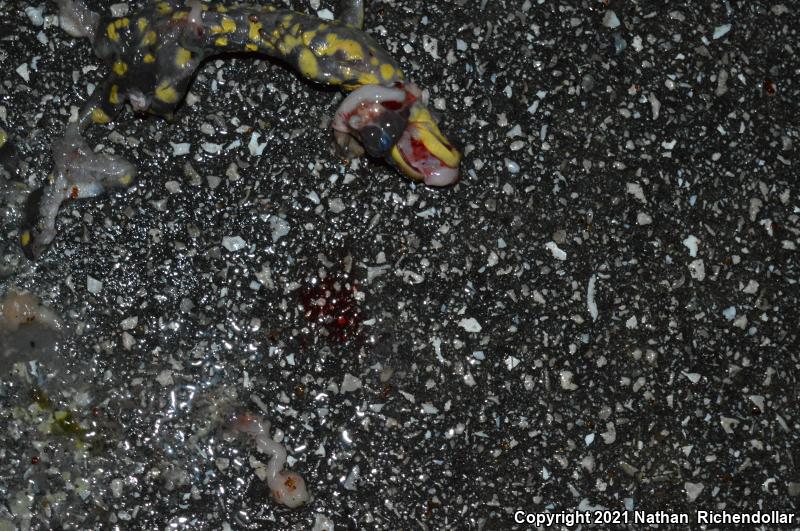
(181, 148)
(511, 362)
(211, 147)
(279, 226)
(429, 409)
(119, 10)
(511, 166)
(22, 70)
(690, 242)
(350, 383)
(565, 379)
(610, 19)
(127, 341)
(751, 288)
(697, 269)
(610, 435)
(590, 302)
(470, 324)
(635, 189)
(693, 490)
(655, 105)
(233, 243)
(692, 377)
(721, 31)
(557, 252)
(35, 15)
(165, 377)
(93, 285)
(116, 487)
(253, 146)
(729, 313)
(336, 205)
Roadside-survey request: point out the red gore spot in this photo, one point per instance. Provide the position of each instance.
(332, 305)
(418, 150)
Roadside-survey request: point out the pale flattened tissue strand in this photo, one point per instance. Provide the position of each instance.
(23, 308)
(288, 488)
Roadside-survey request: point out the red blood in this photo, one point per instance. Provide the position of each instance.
(331, 304)
(418, 150)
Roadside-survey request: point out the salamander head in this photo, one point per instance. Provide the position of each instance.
(423, 153)
(393, 123)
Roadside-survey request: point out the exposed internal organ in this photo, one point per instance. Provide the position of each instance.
(375, 116)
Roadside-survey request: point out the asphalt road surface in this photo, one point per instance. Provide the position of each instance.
(601, 315)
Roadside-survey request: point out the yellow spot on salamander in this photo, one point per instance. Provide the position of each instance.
(352, 50)
(25, 238)
(308, 63)
(308, 36)
(111, 31)
(119, 68)
(373, 61)
(367, 79)
(221, 9)
(179, 15)
(254, 33)
(113, 95)
(228, 25)
(141, 23)
(250, 47)
(166, 92)
(221, 41)
(126, 180)
(149, 58)
(289, 43)
(3, 138)
(387, 71)
(149, 38)
(99, 116)
(163, 8)
(182, 57)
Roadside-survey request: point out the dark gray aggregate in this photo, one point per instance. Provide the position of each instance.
(603, 313)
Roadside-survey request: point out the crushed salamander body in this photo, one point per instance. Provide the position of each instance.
(153, 54)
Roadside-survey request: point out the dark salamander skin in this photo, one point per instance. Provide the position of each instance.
(154, 54)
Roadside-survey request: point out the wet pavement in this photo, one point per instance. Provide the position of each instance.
(602, 314)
